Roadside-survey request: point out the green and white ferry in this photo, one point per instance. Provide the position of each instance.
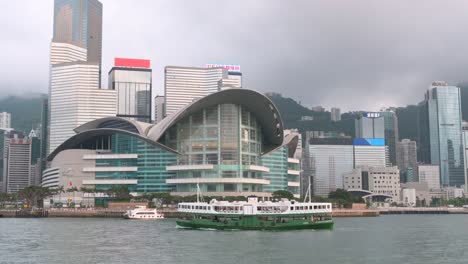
(255, 215)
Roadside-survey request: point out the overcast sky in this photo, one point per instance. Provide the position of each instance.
(357, 55)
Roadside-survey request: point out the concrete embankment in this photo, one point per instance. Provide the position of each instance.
(354, 213)
(422, 210)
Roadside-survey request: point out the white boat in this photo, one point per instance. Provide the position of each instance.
(141, 212)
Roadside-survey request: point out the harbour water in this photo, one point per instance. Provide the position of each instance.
(414, 239)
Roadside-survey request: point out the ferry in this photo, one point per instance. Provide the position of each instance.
(141, 212)
(255, 215)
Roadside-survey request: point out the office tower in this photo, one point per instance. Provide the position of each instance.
(234, 77)
(335, 114)
(465, 151)
(429, 175)
(423, 136)
(184, 85)
(44, 133)
(407, 160)
(378, 180)
(370, 152)
(17, 159)
(370, 125)
(79, 22)
(328, 164)
(75, 99)
(158, 108)
(390, 133)
(440, 132)
(131, 79)
(5, 120)
(75, 58)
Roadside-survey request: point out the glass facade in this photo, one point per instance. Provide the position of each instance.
(391, 133)
(277, 162)
(151, 164)
(133, 87)
(226, 136)
(79, 22)
(446, 143)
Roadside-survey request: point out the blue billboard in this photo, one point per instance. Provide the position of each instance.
(369, 142)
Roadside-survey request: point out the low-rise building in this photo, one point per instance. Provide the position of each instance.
(379, 181)
(229, 143)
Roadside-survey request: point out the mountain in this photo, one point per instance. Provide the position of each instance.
(25, 111)
(291, 113)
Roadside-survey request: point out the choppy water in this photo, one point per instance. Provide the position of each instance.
(428, 239)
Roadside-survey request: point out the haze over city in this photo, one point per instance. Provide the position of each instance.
(316, 52)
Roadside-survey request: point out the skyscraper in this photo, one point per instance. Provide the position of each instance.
(370, 125)
(75, 96)
(184, 85)
(390, 133)
(131, 79)
(17, 158)
(407, 160)
(79, 22)
(441, 132)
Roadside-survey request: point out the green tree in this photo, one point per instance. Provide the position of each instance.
(33, 194)
(282, 194)
(5, 197)
(119, 193)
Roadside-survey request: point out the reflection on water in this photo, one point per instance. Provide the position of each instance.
(427, 239)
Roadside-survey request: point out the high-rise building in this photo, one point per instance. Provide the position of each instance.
(5, 120)
(335, 114)
(44, 134)
(429, 175)
(17, 162)
(75, 96)
(440, 132)
(132, 81)
(407, 160)
(79, 22)
(370, 125)
(75, 99)
(159, 108)
(465, 151)
(329, 163)
(183, 85)
(370, 152)
(391, 133)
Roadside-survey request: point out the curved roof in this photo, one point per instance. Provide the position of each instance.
(117, 123)
(79, 138)
(265, 111)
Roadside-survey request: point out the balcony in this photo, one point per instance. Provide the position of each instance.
(190, 167)
(217, 180)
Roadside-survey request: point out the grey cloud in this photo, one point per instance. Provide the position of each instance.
(353, 54)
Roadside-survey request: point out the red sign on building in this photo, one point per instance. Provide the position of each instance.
(132, 63)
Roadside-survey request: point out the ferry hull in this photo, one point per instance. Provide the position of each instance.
(296, 225)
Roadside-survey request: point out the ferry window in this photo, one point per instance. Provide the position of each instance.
(315, 207)
(292, 208)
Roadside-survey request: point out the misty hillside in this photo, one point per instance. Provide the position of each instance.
(291, 112)
(25, 111)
